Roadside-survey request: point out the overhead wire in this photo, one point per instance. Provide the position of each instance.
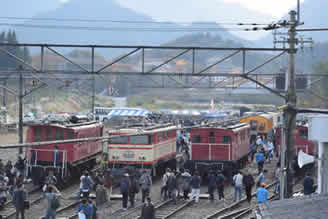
(134, 29)
(131, 21)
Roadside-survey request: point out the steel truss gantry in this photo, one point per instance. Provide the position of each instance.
(226, 79)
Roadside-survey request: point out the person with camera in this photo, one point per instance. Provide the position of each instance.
(19, 201)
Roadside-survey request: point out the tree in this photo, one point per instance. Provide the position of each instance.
(7, 62)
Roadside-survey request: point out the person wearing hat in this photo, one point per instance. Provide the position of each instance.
(262, 194)
(125, 187)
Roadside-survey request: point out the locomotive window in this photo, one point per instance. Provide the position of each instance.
(37, 134)
(49, 134)
(303, 133)
(196, 139)
(59, 134)
(151, 139)
(262, 127)
(169, 134)
(119, 140)
(140, 139)
(70, 135)
(226, 140)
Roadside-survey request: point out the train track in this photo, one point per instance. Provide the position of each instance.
(68, 211)
(8, 209)
(230, 211)
(36, 199)
(167, 209)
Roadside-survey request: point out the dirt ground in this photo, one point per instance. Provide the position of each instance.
(9, 138)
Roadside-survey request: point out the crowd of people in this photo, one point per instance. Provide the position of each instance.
(175, 185)
(12, 178)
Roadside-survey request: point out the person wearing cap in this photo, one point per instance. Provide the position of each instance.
(259, 142)
(262, 194)
(125, 187)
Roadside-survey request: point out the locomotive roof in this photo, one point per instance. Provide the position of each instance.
(264, 115)
(144, 130)
(70, 125)
(222, 126)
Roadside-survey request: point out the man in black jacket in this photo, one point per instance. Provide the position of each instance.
(148, 210)
(308, 184)
(248, 182)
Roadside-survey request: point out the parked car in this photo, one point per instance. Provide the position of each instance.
(28, 118)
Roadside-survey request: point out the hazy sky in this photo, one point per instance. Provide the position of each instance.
(265, 11)
(275, 8)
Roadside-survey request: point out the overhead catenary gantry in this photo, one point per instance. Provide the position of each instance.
(140, 67)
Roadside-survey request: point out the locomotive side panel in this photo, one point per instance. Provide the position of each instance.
(45, 153)
(210, 144)
(240, 143)
(84, 150)
(300, 139)
(199, 145)
(68, 152)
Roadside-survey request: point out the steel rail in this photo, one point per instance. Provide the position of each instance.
(233, 205)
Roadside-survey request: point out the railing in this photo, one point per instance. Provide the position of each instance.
(62, 166)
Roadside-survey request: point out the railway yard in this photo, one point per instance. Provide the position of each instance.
(159, 138)
(164, 209)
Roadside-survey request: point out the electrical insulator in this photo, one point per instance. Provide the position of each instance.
(68, 83)
(34, 83)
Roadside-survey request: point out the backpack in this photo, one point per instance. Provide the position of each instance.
(220, 180)
(186, 184)
(171, 182)
(108, 182)
(54, 204)
(124, 185)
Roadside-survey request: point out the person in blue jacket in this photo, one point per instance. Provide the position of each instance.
(262, 194)
(259, 157)
(85, 209)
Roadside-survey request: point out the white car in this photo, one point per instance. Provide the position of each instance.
(28, 117)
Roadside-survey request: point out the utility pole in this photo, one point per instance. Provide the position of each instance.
(291, 102)
(283, 158)
(20, 100)
(4, 100)
(93, 81)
